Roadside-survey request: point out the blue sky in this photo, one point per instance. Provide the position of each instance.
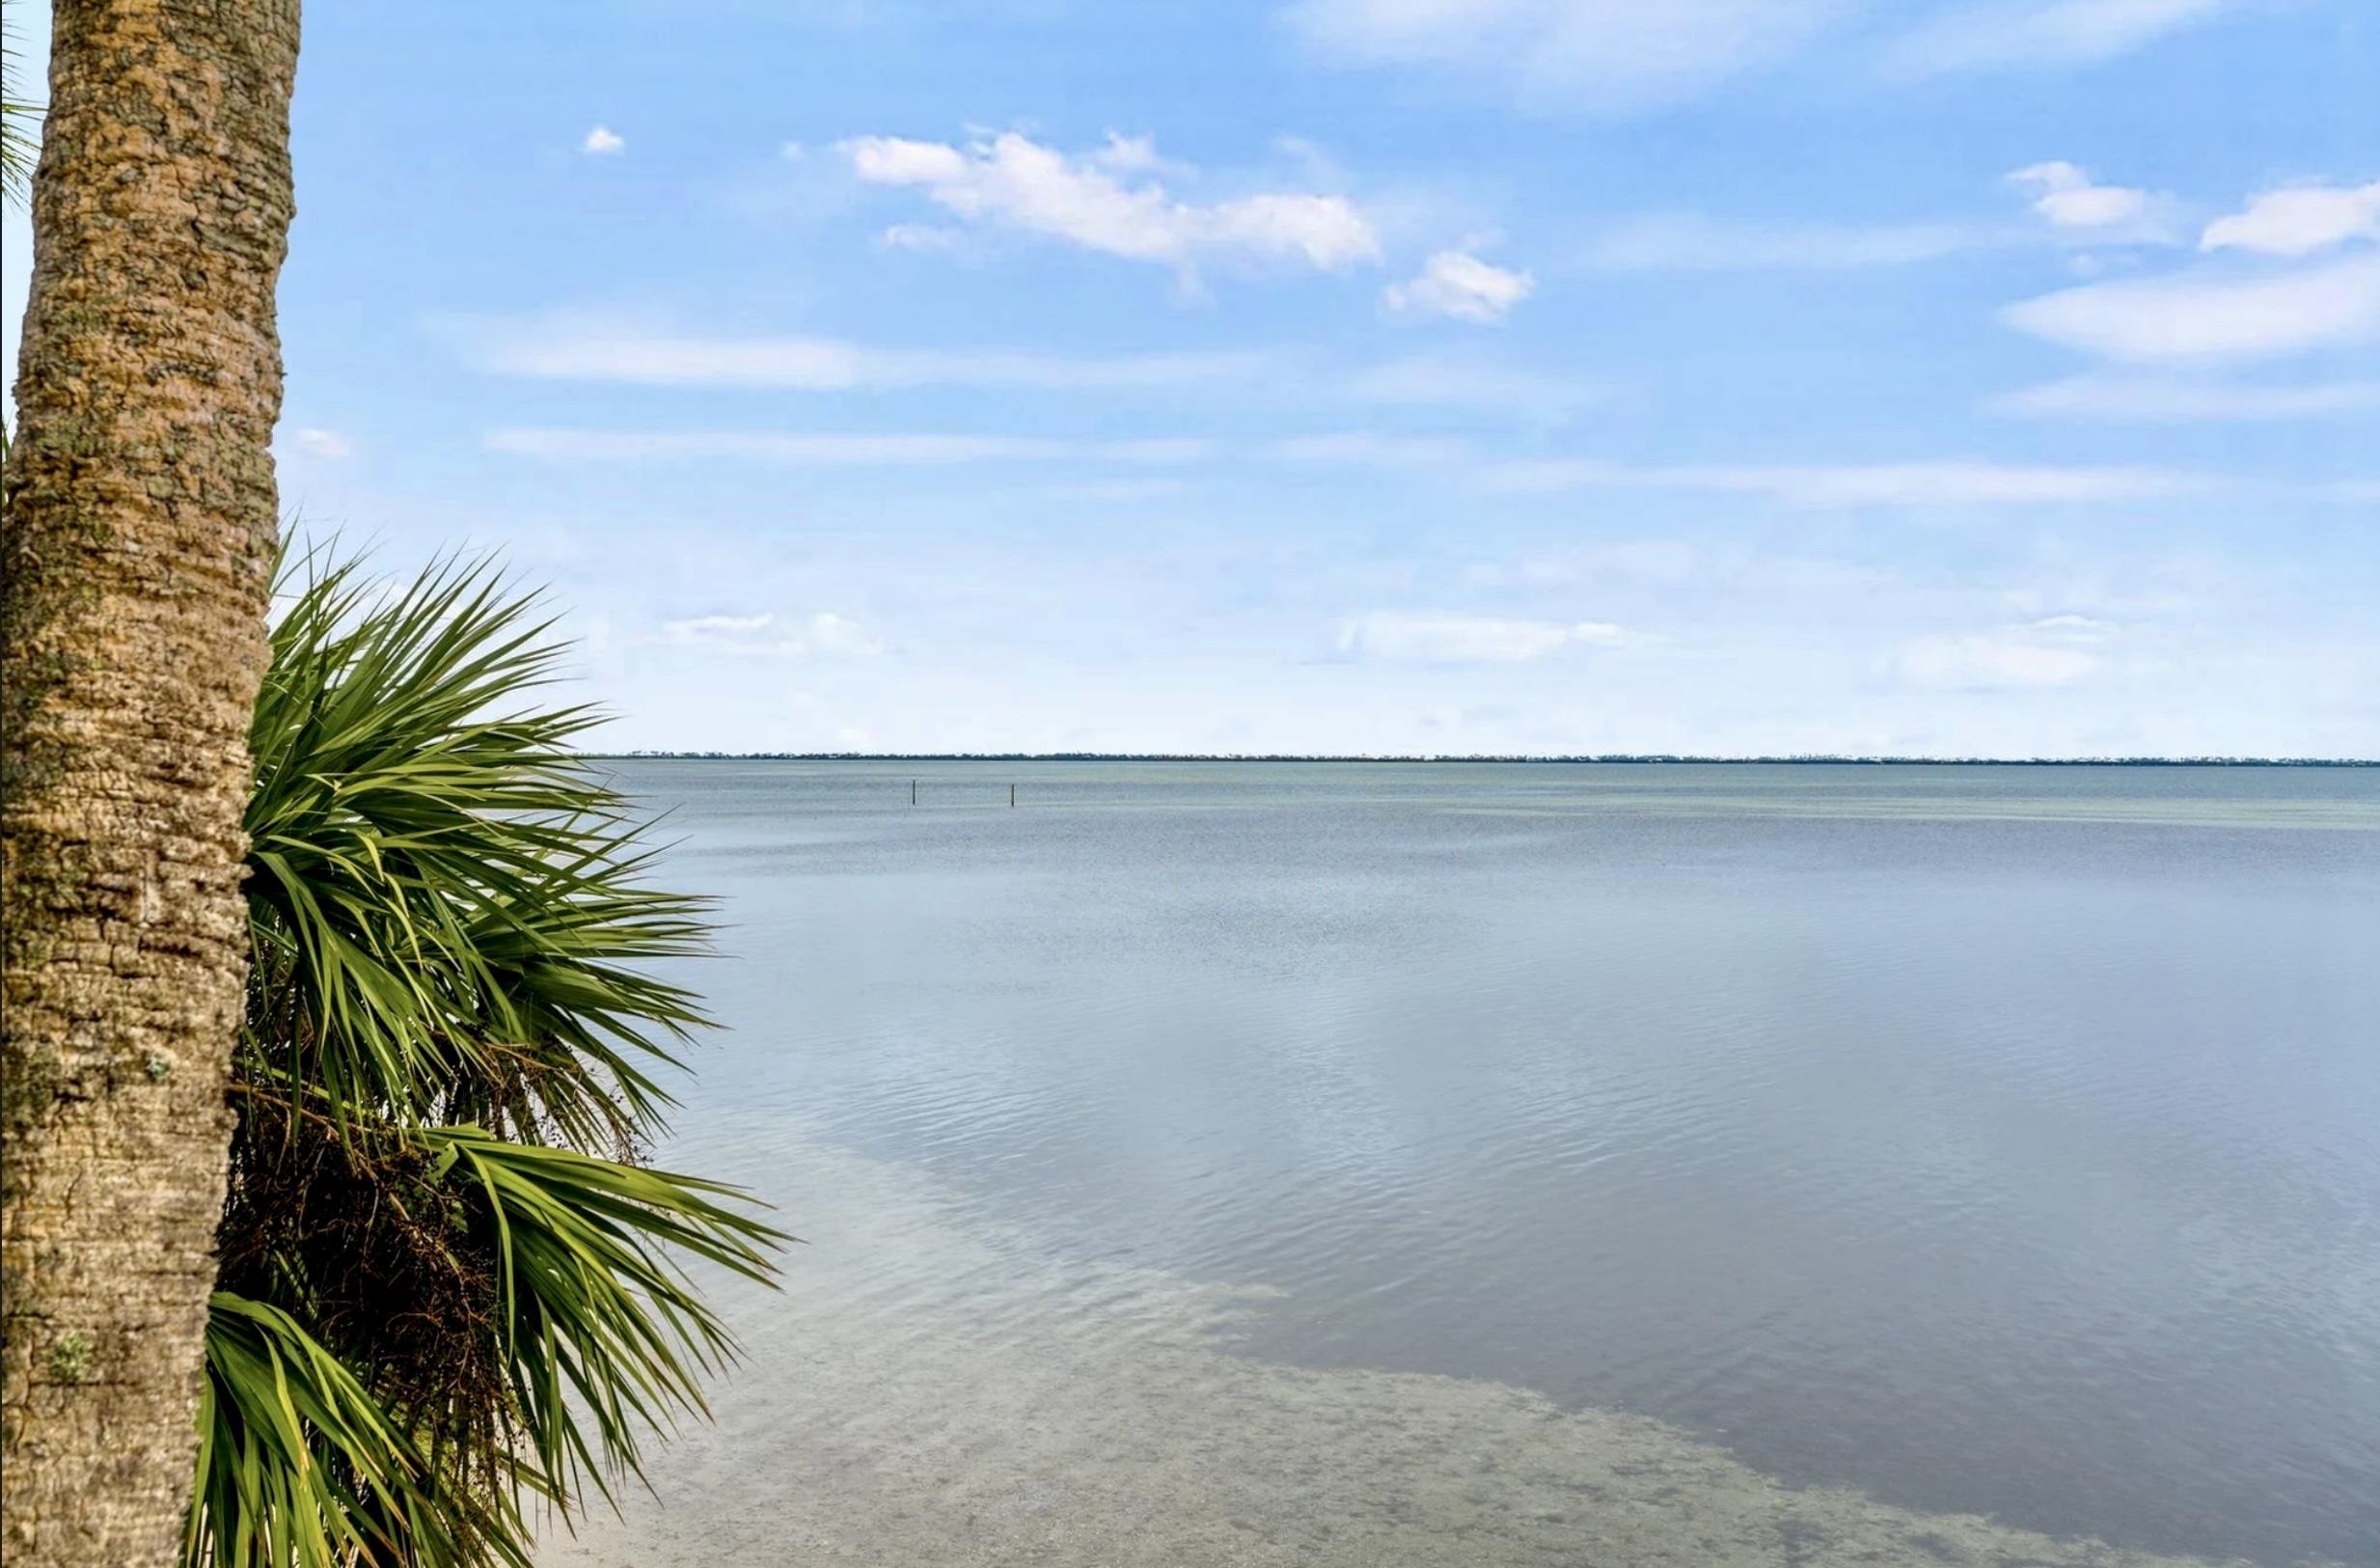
(1357, 376)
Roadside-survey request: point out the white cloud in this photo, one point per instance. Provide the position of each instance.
(603, 141)
(1460, 285)
(767, 635)
(2299, 220)
(1365, 450)
(564, 348)
(1136, 156)
(902, 450)
(922, 237)
(2056, 651)
(2073, 626)
(2067, 197)
(1326, 231)
(606, 348)
(831, 633)
(1663, 563)
(2077, 211)
(1595, 55)
(2183, 401)
(1119, 492)
(2198, 317)
(1459, 378)
(1956, 484)
(1685, 242)
(714, 628)
(325, 444)
(2042, 33)
(1093, 202)
(896, 160)
(1938, 483)
(1951, 483)
(1157, 450)
(1431, 638)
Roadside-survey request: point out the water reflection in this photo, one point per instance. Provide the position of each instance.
(1986, 1141)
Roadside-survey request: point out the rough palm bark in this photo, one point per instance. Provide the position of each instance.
(136, 548)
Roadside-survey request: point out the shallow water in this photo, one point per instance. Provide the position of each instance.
(1209, 1163)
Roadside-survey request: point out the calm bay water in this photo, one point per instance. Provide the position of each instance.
(1208, 1162)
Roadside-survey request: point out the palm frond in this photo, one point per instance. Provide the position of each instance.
(605, 1340)
(448, 907)
(299, 1467)
(517, 1310)
(18, 140)
(450, 1285)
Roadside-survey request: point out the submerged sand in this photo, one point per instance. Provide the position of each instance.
(930, 1390)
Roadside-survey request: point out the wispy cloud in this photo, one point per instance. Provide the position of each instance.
(1951, 483)
(2176, 402)
(2070, 198)
(1665, 563)
(567, 349)
(1115, 205)
(822, 632)
(1606, 56)
(1429, 637)
(922, 237)
(1686, 243)
(1938, 483)
(714, 628)
(2193, 316)
(1364, 448)
(1459, 378)
(1119, 492)
(2299, 220)
(607, 347)
(903, 450)
(603, 142)
(2055, 650)
(314, 442)
(1459, 285)
(2069, 208)
(2042, 33)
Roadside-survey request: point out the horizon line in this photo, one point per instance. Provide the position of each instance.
(1622, 758)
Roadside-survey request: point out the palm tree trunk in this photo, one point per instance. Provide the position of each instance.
(136, 543)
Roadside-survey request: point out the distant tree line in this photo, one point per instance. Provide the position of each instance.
(1796, 760)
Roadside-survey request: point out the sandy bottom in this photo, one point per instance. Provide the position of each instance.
(929, 1390)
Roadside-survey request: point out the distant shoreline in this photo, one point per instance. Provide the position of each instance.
(1626, 759)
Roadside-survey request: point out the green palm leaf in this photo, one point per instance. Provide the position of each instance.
(300, 1468)
(604, 1338)
(18, 147)
(448, 1282)
(447, 906)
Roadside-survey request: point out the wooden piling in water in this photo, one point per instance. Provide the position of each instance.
(1012, 797)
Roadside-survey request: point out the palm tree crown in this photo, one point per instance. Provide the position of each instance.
(450, 1288)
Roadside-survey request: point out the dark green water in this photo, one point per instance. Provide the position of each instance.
(1987, 1142)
